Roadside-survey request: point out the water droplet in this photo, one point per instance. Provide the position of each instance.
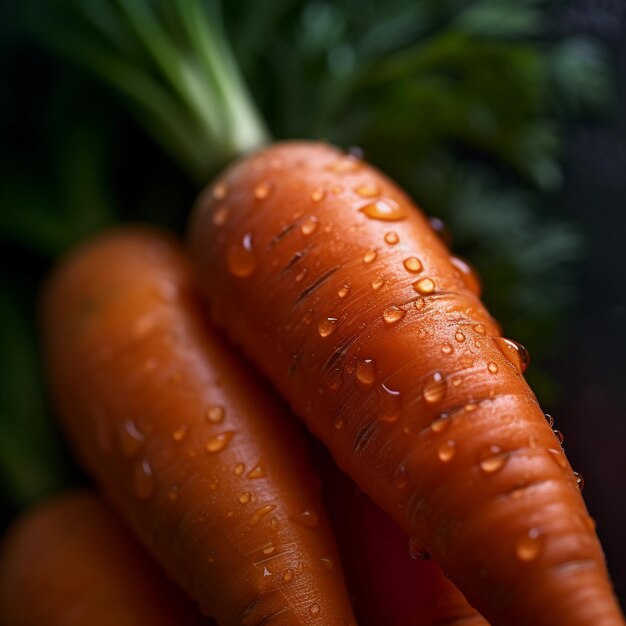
(560, 437)
(219, 442)
(424, 285)
(308, 518)
(211, 556)
(327, 563)
(393, 314)
(400, 478)
(180, 433)
(470, 407)
(318, 195)
(172, 492)
(388, 404)
(310, 225)
(344, 290)
(492, 367)
(480, 329)
(459, 336)
(435, 388)
(301, 275)
(327, 326)
(131, 439)
(338, 422)
(441, 229)
(268, 549)
(259, 514)
(220, 215)
(345, 164)
(441, 423)
(413, 265)
(244, 498)
(315, 609)
(367, 190)
(558, 457)
(446, 348)
(420, 303)
(392, 238)
(580, 481)
(515, 352)
(337, 189)
(220, 190)
(143, 479)
(370, 256)
(378, 282)
(366, 372)
(492, 459)
(385, 209)
(467, 273)
(241, 258)
(262, 190)
(528, 547)
(256, 472)
(215, 414)
(417, 551)
(446, 451)
(239, 469)
(549, 419)
(288, 576)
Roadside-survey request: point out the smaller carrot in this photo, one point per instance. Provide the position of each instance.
(70, 562)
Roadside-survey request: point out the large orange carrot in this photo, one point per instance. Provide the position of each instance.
(336, 286)
(197, 457)
(70, 562)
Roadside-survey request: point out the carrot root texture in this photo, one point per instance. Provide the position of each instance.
(335, 285)
(70, 562)
(200, 460)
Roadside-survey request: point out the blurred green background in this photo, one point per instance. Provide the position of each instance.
(502, 117)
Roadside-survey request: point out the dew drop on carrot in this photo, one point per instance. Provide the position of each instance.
(515, 352)
(131, 439)
(393, 314)
(369, 256)
(315, 609)
(338, 422)
(244, 498)
(269, 549)
(446, 451)
(492, 367)
(220, 215)
(241, 258)
(580, 481)
(345, 164)
(180, 433)
(239, 469)
(435, 388)
(327, 563)
(211, 556)
(400, 478)
(307, 517)
(288, 576)
(479, 328)
(389, 402)
(459, 336)
(309, 225)
(318, 195)
(417, 551)
(470, 407)
(143, 479)
(446, 348)
(385, 209)
(366, 372)
(367, 190)
(413, 265)
(492, 460)
(467, 274)
(215, 414)
(219, 442)
(378, 282)
(219, 191)
(558, 457)
(172, 492)
(343, 291)
(528, 546)
(420, 303)
(560, 437)
(549, 419)
(327, 326)
(259, 514)
(424, 285)
(256, 472)
(391, 238)
(262, 190)
(441, 423)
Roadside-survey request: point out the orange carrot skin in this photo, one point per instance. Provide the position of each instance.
(324, 271)
(70, 562)
(193, 452)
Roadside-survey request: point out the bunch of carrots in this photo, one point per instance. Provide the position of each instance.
(310, 284)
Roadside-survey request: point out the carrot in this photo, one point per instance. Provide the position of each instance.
(333, 282)
(69, 562)
(390, 585)
(197, 457)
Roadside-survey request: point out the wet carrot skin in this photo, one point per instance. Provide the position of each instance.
(337, 288)
(200, 460)
(70, 562)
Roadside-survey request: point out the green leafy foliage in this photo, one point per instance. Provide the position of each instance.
(464, 102)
